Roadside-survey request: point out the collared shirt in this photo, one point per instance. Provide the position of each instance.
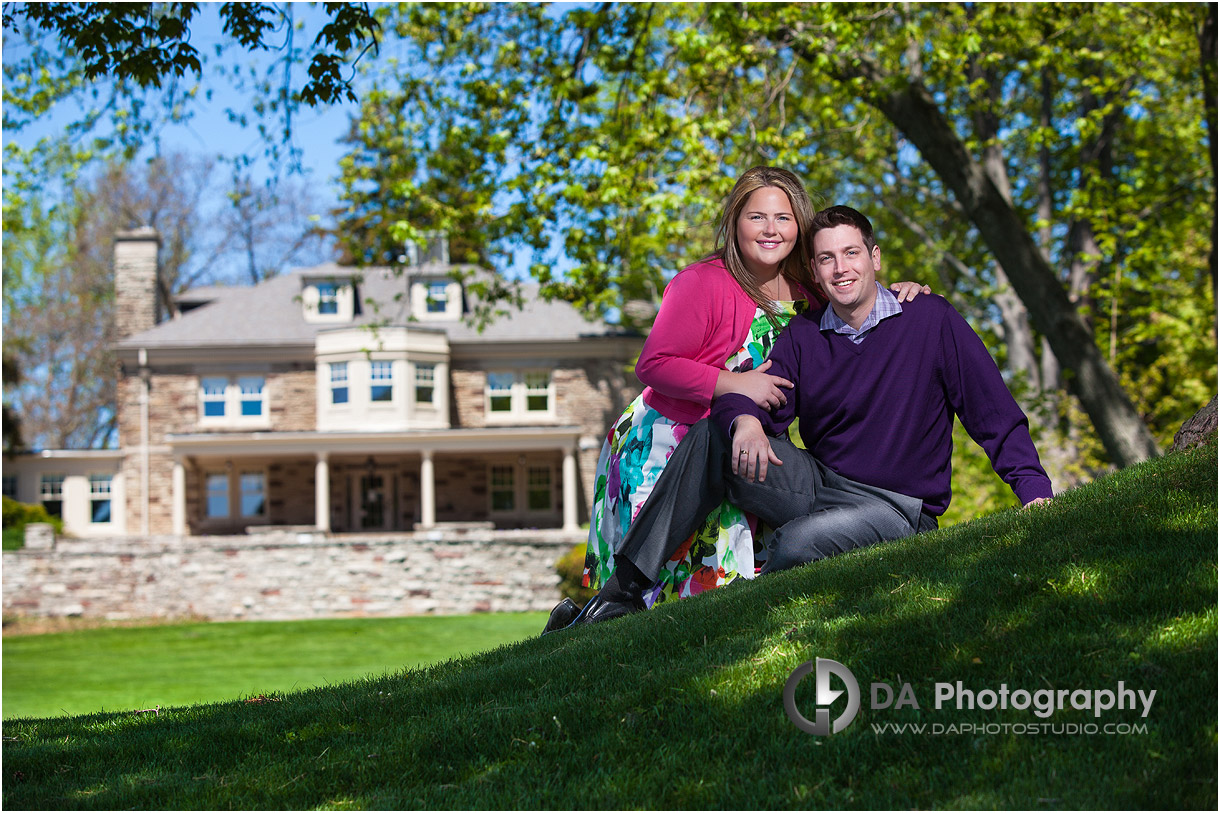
(885, 306)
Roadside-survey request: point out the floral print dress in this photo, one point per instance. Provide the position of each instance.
(636, 450)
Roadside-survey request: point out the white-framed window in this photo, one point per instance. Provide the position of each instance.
(537, 391)
(51, 494)
(99, 497)
(252, 400)
(381, 381)
(539, 495)
(438, 297)
(328, 298)
(425, 383)
(253, 494)
(10, 486)
(519, 394)
(216, 502)
(242, 399)
(212, 393)
(338, 382)
(500, 392)
(328, 301)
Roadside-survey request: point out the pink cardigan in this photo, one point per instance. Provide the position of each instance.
(704, 318)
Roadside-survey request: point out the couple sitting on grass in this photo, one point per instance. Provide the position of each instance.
(689, 498)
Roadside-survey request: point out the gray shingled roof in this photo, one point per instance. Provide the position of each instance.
(271, 313)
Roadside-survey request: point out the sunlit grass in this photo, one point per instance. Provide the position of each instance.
(118, 669)
(681, 707)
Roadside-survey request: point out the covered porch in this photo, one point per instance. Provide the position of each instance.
(359, 482)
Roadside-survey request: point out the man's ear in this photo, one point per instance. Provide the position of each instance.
(876, 259)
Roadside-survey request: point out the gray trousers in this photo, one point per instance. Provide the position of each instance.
(816, 513)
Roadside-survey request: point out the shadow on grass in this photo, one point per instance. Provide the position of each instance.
(682, 707)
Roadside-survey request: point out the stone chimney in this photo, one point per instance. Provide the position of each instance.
(435, 250)
(137, 302)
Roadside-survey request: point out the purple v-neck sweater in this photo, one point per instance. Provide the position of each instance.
(881, 412)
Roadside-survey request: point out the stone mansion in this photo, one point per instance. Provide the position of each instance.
(342, 401)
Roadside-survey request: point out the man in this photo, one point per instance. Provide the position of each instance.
(877, 385)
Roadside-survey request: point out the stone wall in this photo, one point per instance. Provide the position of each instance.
(466, 405)
(287, 574)
(293, 400)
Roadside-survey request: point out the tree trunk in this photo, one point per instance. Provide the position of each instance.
(1050, 365)
(1014, 319)
(913, 111)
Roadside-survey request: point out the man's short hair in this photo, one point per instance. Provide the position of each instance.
(833, 216)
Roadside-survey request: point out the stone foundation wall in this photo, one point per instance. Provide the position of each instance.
(285, 574)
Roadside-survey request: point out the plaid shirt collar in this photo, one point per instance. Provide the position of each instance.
(885, 306)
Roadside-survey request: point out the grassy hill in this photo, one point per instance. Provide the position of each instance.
(682, 707)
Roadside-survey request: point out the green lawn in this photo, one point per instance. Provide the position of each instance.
(682, 707)
(139, 668)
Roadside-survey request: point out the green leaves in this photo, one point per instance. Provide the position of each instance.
(602, 139)
(148, 42)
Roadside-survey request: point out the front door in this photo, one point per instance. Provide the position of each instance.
(372, 501)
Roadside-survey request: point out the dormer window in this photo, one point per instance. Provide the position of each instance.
(438, 297)
(328, 299)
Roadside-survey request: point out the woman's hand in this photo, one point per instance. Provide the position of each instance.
(752, 451)
(906, 291)
(766, 391)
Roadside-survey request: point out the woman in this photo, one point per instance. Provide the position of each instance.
(718, 321)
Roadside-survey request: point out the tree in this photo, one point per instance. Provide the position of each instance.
(1005, 149)
(150, 42)
(119, 72)
(59, 295)
(270, 227)
(982, 187)
(123, 71)
(59, 291)
(12, 423)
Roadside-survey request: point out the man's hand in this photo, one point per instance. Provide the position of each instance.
(752, 449)
(1037, 501)
(906, 291)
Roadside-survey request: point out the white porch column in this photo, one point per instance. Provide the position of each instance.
(569, 490)
(321, 492)
(178, 510)
(427, 491)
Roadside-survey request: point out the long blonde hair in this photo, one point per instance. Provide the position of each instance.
(796, 266)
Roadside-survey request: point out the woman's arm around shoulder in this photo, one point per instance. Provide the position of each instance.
(906, 291)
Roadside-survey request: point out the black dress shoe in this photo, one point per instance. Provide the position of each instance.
(564, 613)
(599, 609)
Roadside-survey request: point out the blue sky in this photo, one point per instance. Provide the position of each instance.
(209, 132)
(316, 132)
